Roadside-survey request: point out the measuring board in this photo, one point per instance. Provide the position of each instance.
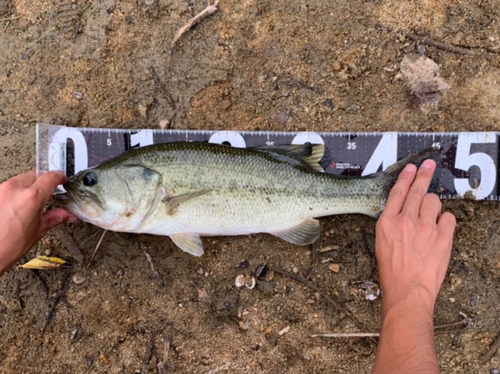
(467, 161)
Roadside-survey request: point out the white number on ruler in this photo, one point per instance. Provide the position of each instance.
(61, 137)
(232, 137)
(308, 137)
(385, 154)
(465, 160)
(108, 142)
(351, 145)
(142, 138)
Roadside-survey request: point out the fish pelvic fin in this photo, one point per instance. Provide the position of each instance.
(190, 243)
(309, 154)
(174, 202)
(306, 232)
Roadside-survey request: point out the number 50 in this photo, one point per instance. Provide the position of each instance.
(465, 160)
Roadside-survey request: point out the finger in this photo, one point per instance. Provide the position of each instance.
(397, 195)
(431, 208)
(55, 217)
(47, 182)
(447, 223)
(25, 179)
(419, 188)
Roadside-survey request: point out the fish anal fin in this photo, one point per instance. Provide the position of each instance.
(309, 154)
(172, 203)
(190, 243)
(306, 232)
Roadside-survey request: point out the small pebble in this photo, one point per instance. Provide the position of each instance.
(334, 267)
(372, 290)
(104, 358)
(494, 371)
(265, 287)
(474, 300)
(295, 270)
(202, 294)
(284, 330)
(77, 95)
(200, 271)
(282, 116)
(78, 279)
(329, 103)
(421, 49)
(244, 264)
(164, 123)
(73, 334)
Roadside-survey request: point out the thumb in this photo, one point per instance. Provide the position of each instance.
(55, 217)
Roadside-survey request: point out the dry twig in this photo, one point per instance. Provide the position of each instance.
(210, 9)
(492, 351)
(97, 247)
(152, 266)
(62, 234)
(161, 87)
(437, 330)
(439, 45)
(313, 287)
(148, 354)
(347, 335)
(163, 365)
(219, 369)
(44, 35)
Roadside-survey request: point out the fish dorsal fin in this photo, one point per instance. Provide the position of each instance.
(306, 232)
(174, 202)
(309, 154)
(190, 243)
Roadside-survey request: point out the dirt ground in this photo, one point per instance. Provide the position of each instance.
(319, 65)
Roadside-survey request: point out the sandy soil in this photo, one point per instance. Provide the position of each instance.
(253, 65)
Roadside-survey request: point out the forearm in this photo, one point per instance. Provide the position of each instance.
(407, 338)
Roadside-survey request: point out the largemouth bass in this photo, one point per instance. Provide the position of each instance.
(188, 190)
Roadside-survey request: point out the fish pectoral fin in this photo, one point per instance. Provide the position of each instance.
(306, 232)
(174, 202)
(309, 154)
(190, 243)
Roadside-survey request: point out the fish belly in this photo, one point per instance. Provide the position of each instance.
(216, 214)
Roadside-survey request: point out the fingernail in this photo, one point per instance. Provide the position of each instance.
(72, 220)
(410, 168)
(428, 164)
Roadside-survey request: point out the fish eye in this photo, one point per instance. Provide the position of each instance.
(90, 179)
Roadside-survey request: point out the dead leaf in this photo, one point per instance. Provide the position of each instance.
(44, 263)
(423, 76)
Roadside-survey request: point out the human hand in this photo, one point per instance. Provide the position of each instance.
(413, 240)
(22, 223)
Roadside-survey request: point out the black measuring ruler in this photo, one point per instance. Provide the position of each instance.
(467, 161)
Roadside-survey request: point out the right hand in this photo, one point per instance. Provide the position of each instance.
(413, 240)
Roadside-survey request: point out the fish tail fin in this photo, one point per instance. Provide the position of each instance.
(391, 174)
(393, 171)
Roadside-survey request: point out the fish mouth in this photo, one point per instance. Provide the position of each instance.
(62, 197)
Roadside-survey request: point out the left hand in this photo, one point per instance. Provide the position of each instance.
(22, 223)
